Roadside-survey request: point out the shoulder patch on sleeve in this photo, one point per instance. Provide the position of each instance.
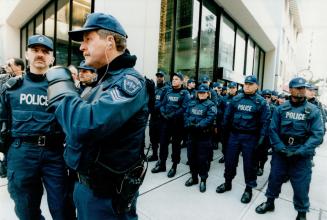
(131, 85)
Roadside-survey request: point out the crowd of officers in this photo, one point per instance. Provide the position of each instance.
(247, 121)
(198, 117)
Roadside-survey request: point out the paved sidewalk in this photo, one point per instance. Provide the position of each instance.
(162, 198)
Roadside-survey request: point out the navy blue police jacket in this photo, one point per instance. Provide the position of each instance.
(159, 92)
(298, 121)
(174, 103)
(248, 114)
(27, 103)
(108, 125)
(200, 114)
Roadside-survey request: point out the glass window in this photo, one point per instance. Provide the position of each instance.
(239, 52)
(261, 65)
(226, 44)
(207, 42)
(39, 24)
(30, 28)
(256, 61)
(81, 8)
(49, 21)
(24, 43)
(165, 36)
(62, 32)
(187, 36)
(249, 57)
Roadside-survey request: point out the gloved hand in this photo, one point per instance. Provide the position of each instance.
(61, 84)
(260, 142)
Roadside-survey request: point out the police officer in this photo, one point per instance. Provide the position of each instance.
(172, 110)
(199, 118)
(191, 88)
(154, 124)
(13, 68)
(206, 80)
(35, 156)
(295, 131)
(311, 97)
(262, 151)
(248, 115)
(87, 78)
(105, 130)
(232, 92)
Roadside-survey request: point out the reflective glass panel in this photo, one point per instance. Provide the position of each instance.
(62, 32)
(207, 42)
(239, 52)
(226, 44)
(249, 58)
(39, 24)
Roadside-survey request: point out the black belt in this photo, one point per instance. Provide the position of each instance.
(242, 131)
(42, 140)
(293, 140)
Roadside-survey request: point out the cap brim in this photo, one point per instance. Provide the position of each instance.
(77, 35)
(38, 44)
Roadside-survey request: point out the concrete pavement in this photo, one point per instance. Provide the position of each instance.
(162, 198)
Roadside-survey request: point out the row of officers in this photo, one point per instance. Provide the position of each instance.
(98, 129)
(245, 121)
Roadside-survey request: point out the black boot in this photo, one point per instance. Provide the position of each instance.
(153, 157)
(259, 171)
(203, 186)
(224, 187)
(159, 168)
(221, 160)
(172, 171)
(191, 181)
(301, 216)
(3, 169)
(247, 195)
(264, 207)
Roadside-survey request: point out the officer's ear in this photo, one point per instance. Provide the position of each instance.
(52, 60)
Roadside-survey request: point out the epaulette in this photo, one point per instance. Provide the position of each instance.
(238, 97)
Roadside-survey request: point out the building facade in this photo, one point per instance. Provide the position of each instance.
(224, 39)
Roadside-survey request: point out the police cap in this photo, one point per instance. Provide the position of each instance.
(216, 84)
(205, 79)
(203, 88)
(266, 92)
(160, 73)
(83, 65)
(97, 21)
(40, 40)
(251, 79)
(297, 82)
(232, 85)
(274, 93)
(190, 81)
(179, 75)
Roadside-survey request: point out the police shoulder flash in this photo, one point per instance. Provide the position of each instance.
(131, 85)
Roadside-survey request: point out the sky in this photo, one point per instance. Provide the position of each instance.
(313, 15)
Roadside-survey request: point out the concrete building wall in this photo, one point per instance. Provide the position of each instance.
(141, 21)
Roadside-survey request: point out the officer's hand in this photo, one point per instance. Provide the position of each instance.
(260, 142)
(61, 84)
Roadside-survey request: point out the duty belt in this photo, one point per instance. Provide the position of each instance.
(42, 140)
(242, 131)
(293, 140)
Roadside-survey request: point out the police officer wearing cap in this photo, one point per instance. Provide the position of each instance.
(247, 117)
(35, 156)
(198, 120)
(311, 97)
(295, 131)
(172, 110)
(154, 124)
(104, 130)
(206, 80)
(232, 92)
(191, 88)
(87, 78)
